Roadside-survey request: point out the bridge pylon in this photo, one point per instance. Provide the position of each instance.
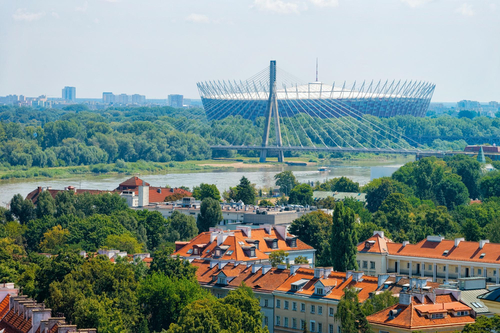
(272, 111)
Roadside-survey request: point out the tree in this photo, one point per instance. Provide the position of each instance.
(471, 231)
(278, 257)
(470, 172)
(484, 324)
(45, 205)
(206, 191)
(300, 260)
(265, 203)
(344, 240)
(181, 227)
(163, 298)
(22, 209)
(350, 314)
(345, 184)
(244, 300)
(379, 189)
(54, 239)
(379, 302)
(301, 195)
(326, 203)
(451, 192)
(124, 242)
(467, 114)
(286, 181)
(172, 267)
(490, 184)
(315, 229)
(210, 214)
(245, 191)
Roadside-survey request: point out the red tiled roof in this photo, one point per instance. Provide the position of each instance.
(54, 328)
(4, 306)
(465, 251)
(15, 323)
(134, 181)
(236, 240)
(158, 194)
(413, 316)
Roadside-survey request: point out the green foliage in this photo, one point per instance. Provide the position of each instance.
(483, 324)
(301, 195)
(379, 189)
(490, 185)
(342, 184)
(278, 257)
(172, 267)
(379, 302)
(350, 313)
(265, 203)
(206, 191)
(210, 214)
(315, 229)
(124, 242)
(343, 239)
(245, 192)
(181, 227)
(54, 239)
(300, 260)
(286, 181)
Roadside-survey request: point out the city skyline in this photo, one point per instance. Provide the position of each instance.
(164, 47)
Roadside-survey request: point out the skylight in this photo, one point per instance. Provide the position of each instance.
(229, 253)
(482, 255)
(445, 252)
(190, 251)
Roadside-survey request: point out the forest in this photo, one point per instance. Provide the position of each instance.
(76, 136)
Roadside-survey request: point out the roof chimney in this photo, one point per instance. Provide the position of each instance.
(398, 278)
(294, 269)
(318, 272)
(281, 230)
(348, 274)
(380, 233)
(266, 268)
(255, 268)
(405, 243)
(458, 240)
(213, 263)
(143, 196)
(327, 272)
(222, 264)
(482, 242)
(282, 266)
(247, 231)
(267, 228)
(357, 276)
(381, 279)
(221, 238)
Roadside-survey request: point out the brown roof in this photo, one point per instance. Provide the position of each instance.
(236, 242)
(4, 306)
(15, 323)
(465, 251)
(416, 314)
(134, 181)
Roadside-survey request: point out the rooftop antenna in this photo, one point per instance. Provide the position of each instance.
(316, 69)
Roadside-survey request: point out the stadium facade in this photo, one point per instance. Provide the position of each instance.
(249, 98)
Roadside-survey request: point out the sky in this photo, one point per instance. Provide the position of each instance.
(162, 47)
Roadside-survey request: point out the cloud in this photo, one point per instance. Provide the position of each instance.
(197, 18)
(466, 10)
(83, 8)
(55, 15)
(416, 3)
(325, 3)
(22, 15)
(280, 6)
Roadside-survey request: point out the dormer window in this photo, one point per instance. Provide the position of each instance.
(319, 291)
(437, 315)
(462, 313)
(252, 253)
(217, 253)
(195, 250)
(221, 280)
(275, 244)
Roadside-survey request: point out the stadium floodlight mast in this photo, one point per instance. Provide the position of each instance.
(272, 110)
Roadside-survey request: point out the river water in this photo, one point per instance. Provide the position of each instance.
(262, 177)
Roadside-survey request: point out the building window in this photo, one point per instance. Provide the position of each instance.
(294, 306)
(302, 307)
(266, 321)
(312, 325)
(286, 305)
(462, 313)
(437, 315)
(331, 312)
(313, 309)
(408, 265)
(319, 291)
(286, 322)
(302, 324)
(330, 328)
(294, 322)
(222, 280)
(278, 303)
(278, 320)
(266, 303)
(372, 264)
(320, 328)
(359, 263)
(456, 269)
(365, 264)
(444, 268)
(320, 310)
(479, 271)
(430, 267)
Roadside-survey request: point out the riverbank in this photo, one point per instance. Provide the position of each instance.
(151, 168)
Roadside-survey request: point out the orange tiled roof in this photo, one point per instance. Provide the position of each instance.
(4, 306)
(465, 251)
(374, 244)
(236, 241)
(54, 328)
(134, 181)
(413, 316)
(241, 273)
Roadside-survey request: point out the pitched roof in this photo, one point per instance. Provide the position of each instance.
(235, 244)
(429, 248)
(416, 314)
(492, 295)
(4, 306)
(241, 273)
(134, 182)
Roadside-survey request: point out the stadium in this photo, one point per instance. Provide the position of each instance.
(249, 98)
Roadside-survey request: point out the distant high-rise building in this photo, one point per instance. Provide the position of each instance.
(69, 93)
(176, 101)
(108, 97)
(138, 99)
(469, 106)
(122, 99)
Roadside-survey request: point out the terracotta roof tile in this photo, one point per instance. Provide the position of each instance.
(416, 316)
(4, 306)
(54, 328)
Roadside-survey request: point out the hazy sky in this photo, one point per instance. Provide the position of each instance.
(160, 47)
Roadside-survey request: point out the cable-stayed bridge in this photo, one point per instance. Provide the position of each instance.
(313, 116)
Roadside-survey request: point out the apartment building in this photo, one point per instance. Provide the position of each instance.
(244, 245)
(421, 310)
(434, 257)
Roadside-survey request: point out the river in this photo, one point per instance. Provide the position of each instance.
(262, 177)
